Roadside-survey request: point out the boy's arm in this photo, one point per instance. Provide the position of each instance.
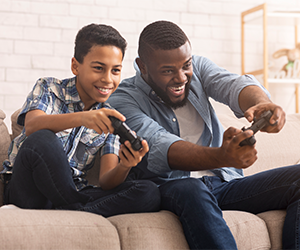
(94, 119)
(114, 172)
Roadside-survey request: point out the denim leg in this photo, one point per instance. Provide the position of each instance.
(41, 174)
(270, 190)
(129, 197)
(197, 208)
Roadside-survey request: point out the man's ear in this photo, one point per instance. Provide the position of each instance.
(141, 65)
(74, 66)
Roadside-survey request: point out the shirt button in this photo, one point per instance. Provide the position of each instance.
(152, 92)
(174, 119)
(91, 141)
(35, 101)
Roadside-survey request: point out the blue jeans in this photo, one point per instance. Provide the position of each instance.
(199, 204)
(42, 178)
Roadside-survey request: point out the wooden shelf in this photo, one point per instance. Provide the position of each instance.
(260, 16)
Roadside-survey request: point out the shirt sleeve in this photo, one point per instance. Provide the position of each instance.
(111, 146)
(222, 85)
(38, 98)
(137, 110)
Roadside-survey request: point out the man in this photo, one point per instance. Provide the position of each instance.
(167, 103)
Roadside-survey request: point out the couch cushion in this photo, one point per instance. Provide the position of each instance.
(55, 229)
(147, 231)
(249, 231)
(274, 221)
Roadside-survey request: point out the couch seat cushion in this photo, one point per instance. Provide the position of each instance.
(274, 220)
(147, 231)
(55, 229)
(249, 231)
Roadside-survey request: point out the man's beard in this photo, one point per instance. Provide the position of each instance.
(165, 98)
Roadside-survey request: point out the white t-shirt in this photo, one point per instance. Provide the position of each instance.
(191, 126)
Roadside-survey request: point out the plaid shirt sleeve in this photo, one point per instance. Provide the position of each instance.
(111, 146)
(38, 98)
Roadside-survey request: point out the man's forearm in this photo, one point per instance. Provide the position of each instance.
(187, 156)
(252, 95)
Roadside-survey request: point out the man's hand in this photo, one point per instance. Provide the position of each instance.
(233, 155)
(277, 120)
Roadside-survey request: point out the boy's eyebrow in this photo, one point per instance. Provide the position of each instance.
(103, 64)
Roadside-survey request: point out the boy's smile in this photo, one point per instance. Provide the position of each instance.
(99, 75)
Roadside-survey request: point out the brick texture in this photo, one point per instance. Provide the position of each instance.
(37, 37)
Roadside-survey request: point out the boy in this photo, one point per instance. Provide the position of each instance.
(65, 123)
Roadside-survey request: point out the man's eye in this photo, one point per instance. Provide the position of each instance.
(167, 72)
(187, 65)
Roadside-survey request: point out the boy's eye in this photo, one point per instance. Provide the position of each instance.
(116, 70)
(98, 68)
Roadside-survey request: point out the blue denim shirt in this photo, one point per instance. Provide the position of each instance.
(156, 122)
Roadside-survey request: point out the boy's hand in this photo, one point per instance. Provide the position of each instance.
(129, 157)
(99, 121)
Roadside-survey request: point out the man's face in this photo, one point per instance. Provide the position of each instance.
(169, 73)
(99, 75)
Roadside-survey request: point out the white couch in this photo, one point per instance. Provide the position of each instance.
(52, 229)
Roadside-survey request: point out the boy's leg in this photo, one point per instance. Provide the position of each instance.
(129, 197)
(41, 174)
(270, 190)
(199, 213)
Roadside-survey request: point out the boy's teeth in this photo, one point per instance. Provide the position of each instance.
(103, 89)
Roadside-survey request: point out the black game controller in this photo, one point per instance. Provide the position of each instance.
(257, 125)
(126, 133)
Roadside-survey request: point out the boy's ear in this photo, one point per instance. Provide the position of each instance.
(74, 66)
(141, 65)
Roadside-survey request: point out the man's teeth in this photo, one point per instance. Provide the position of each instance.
(104, 90)
(178, 88)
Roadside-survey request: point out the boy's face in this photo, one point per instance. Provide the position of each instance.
(169, 73)
(99, 75)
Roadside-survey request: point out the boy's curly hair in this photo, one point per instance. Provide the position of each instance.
(97, 34)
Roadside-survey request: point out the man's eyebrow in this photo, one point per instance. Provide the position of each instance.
(170, 67)
(103, 64)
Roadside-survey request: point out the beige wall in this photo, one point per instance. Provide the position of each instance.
(37, 37)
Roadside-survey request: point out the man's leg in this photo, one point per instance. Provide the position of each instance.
(270, 190)
(199, 213)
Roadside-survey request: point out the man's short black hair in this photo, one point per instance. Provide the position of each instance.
(162, 35)
(97, 34)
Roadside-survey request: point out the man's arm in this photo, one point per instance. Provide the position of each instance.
(187, 156)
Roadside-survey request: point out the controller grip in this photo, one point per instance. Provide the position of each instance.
(126, 133)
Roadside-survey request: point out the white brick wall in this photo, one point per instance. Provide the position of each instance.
(37, 36)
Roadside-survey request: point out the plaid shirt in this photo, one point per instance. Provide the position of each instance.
(81, 144)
